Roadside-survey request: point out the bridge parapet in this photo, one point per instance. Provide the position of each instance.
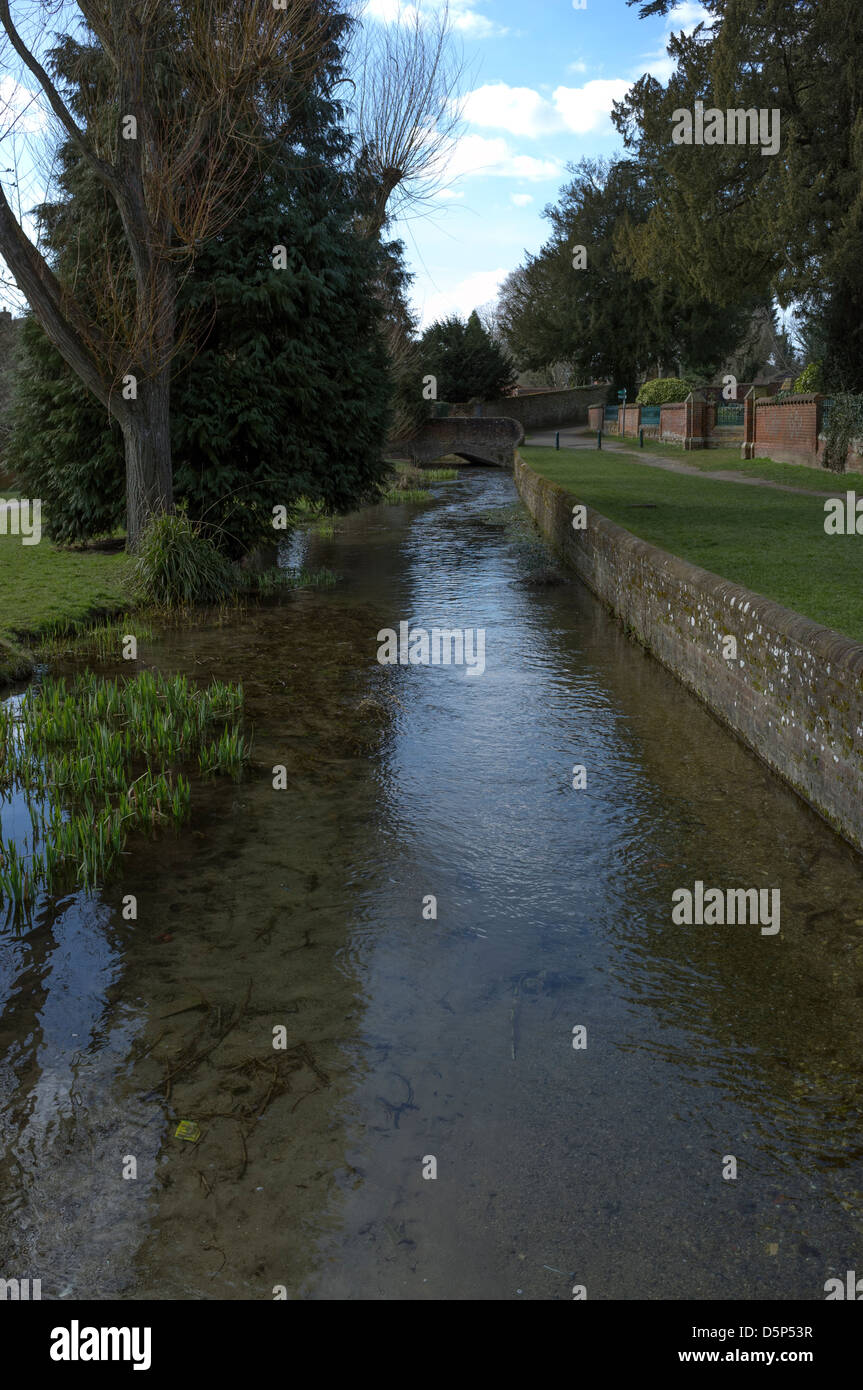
(473, 438)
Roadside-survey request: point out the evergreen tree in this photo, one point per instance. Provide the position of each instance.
(280, 389)
(465, 360)
(579, 301)
(727, 218)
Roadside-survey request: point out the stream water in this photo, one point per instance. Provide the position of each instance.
(410, 1039)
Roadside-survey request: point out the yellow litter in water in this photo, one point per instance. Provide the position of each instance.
(187, 1129)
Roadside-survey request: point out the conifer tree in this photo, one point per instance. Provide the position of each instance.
(465, 360)
(280, 387)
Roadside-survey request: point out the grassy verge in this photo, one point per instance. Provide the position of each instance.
(729, 460)
(43, 589)
(15, 665)
(772, 542)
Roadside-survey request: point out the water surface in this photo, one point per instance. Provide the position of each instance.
(410, 1038)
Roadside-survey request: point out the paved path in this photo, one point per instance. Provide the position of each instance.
(577, 439)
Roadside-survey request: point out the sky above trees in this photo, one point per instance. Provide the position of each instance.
(539, 89)
(539, 85)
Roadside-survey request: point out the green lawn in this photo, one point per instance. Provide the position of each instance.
(771, 542)
(723, 460)
(42, 588)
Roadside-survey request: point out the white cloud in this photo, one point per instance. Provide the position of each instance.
(476, 154)
(588, 108)
(463, 297)
(463, 16)
(474, 25)
(520, 110)
(389, 11)
(686, 15)
(447, 194)
(18, 106)
(525, 112)
(521, 200)
(577, 66)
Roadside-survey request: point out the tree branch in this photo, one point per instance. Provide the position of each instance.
(58, 106)
(59, 315)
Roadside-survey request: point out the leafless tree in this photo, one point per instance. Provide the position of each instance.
(407, 112)
(196, 89)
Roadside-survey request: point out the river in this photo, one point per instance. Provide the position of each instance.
(412, 1038)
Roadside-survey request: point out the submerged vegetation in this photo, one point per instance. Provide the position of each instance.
(274, 581)
(406, 483)
(99, 759)
(104, 642)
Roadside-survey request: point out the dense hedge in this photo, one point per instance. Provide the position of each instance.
(665, 390)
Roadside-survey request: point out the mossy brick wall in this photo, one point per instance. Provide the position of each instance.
(795, 692)
(546, 409)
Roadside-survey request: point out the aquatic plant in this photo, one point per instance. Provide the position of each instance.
(276, 580)
(395, 495)
(98, 759)
(104, 641)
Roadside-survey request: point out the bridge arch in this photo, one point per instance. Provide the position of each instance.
(476, 439)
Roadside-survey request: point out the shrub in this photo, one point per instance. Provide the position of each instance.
(845, 424)
(663, 391)
(810, 379)
(176, 564)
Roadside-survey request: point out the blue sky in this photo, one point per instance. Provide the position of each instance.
(543, 77)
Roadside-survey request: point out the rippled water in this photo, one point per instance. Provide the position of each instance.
(451, 1038)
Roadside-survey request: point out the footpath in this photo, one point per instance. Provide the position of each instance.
(576, 438)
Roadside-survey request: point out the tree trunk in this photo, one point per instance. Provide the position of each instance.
(146, 428)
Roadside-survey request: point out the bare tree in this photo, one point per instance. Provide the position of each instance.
(407, 112)
(197, 89)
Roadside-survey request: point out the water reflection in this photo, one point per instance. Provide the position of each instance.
(411, 1036)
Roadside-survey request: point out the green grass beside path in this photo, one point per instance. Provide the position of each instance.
(729, 460)
(771, 542)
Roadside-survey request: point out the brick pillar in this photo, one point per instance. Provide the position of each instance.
(696, 412)
(747, 448)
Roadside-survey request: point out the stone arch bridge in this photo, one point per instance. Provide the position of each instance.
(473, 438)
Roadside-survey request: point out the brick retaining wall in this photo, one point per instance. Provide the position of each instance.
(795, 692)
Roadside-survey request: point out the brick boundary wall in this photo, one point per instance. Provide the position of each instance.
(787, 430)
(542, 409)
(673, 422)
(795, 693)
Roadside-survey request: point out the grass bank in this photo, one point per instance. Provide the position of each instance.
(772, 542)
(729, 460)
(44, 590)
